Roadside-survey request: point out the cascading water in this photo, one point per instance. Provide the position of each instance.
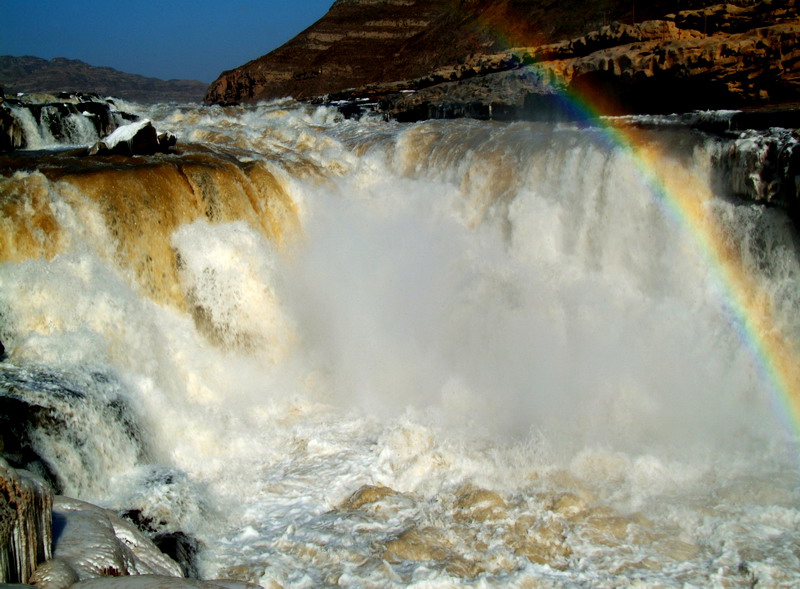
(374, 354)
(43, 121)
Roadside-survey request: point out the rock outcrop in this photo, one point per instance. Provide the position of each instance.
(33, 74)
(43, 426)
(496, 58)
(55, 542)
(42, 121)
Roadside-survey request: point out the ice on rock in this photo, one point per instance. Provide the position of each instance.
(94, 547)
(56, 573)
(96, 542)
(126, 133)
(25, 523)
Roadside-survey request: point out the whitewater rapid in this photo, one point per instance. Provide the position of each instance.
(360, 353)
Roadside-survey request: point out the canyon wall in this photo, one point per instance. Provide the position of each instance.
(665, 55)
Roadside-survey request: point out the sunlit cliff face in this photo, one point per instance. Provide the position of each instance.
(376, 354)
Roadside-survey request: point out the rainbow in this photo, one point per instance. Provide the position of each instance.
(684, 198)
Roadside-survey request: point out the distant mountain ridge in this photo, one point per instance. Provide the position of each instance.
(33, 74)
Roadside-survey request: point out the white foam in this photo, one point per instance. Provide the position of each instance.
(468, 304)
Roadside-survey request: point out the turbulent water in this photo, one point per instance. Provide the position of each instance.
(371, 354)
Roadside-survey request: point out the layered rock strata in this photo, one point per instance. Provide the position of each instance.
(361, 42)
(652, 67)
(708, 57)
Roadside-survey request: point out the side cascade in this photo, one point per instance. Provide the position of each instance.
(38, 121)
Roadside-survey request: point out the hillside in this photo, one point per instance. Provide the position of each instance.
(361, 42)
(33, 74)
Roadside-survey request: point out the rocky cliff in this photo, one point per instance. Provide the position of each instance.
(454, 55)
(361, 42)
(747, 57)
(33, 74)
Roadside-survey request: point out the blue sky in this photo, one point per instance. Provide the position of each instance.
(189, 39)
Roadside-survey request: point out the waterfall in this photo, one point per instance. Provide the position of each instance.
(43, 121)
(455, 352)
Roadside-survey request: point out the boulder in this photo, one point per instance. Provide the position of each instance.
(25, 523)
(138, 138)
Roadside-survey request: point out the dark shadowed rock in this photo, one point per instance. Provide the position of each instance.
(178, 545)
(181, 548)
(12, 135)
